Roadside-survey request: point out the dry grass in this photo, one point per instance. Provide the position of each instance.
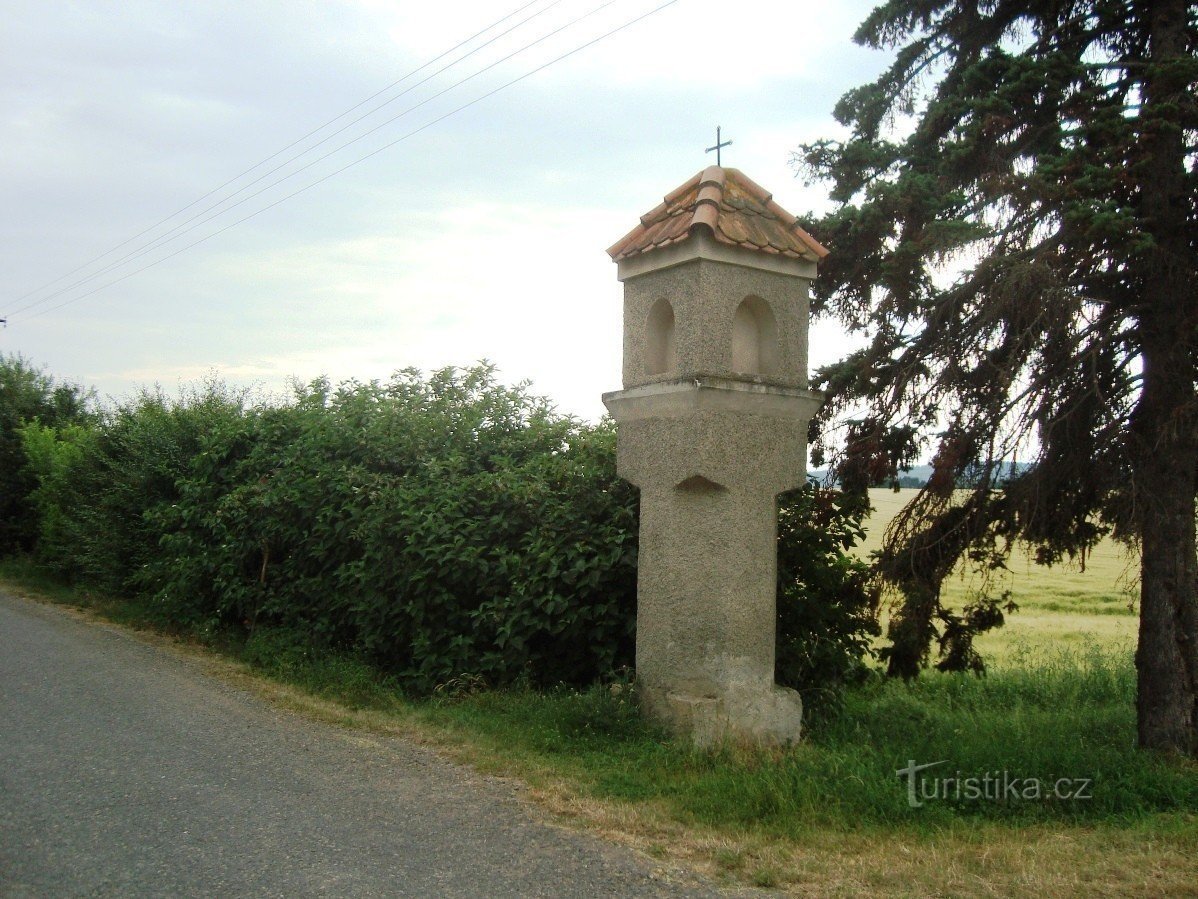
(984, 860)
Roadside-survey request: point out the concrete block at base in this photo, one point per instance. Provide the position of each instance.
(770, 717)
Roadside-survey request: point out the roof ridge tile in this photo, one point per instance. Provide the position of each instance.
(736, 209)
(678, 192)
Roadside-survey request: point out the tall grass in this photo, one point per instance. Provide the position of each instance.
(1067, 714)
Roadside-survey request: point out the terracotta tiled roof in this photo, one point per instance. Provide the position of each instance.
(737, 212)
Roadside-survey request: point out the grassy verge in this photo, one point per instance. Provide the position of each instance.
(827, 818)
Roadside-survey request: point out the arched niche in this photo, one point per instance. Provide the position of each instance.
(754, 338)
(659, 339)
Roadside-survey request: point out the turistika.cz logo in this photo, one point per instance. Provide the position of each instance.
(993, 786)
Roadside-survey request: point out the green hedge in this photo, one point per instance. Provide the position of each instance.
(28, 394)
(440, 527)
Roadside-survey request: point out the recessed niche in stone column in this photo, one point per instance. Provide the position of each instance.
(712, 424)
(754, 338)
(660, 357)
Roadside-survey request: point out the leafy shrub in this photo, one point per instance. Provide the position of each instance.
(441, 528)
(826, 610)
(54, 458)
(28, 394)
(99, 485)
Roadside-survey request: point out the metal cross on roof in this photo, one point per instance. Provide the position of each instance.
(718, 145)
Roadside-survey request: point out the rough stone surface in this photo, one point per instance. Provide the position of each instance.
(712, 425)
(705, 294)
(746, 437)
(710, 459)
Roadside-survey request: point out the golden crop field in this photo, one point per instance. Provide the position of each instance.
(1062, 606)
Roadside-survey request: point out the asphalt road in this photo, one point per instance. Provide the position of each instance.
(127, 770)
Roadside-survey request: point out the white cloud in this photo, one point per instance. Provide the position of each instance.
(481, 237)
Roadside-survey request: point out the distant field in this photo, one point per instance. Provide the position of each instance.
(1061, 606)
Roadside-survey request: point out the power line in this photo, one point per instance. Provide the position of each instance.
(294, 143)
(363, 158)
(181, 229)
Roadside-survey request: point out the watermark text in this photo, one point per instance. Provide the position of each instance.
(992, 786)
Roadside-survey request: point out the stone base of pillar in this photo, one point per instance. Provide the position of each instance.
(770, 716)
(710, 456)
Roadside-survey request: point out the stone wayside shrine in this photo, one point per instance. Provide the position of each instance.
(712, 426)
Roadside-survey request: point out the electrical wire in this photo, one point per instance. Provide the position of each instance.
(369, 155)
(182, 229)
(295, 143)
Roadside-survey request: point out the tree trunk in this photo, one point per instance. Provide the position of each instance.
(1167, 656)
(911, 631)
(1165, 423)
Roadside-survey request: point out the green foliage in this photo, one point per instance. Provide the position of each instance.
(446, 530)
(438, 527)
(54, 459)
(28, 394)
(1016, 232)
(289, 656)
(826, 611)
(100, 485)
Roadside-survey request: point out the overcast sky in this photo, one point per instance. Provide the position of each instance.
(481, 236)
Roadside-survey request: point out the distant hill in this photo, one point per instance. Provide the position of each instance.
(916, 477)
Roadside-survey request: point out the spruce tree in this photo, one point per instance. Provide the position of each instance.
(1017, 232)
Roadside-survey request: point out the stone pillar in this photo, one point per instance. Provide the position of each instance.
(712, 427)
